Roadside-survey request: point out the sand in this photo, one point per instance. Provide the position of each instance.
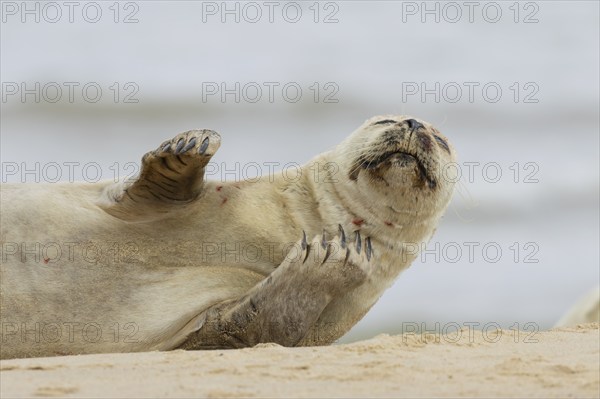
(502, 363)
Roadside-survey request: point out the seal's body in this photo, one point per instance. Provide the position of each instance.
(168, 260)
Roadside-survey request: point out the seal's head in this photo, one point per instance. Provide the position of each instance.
(399, 162)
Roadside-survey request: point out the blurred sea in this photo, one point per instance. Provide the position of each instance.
(550, 209)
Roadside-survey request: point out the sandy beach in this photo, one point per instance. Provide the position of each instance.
(469, 363)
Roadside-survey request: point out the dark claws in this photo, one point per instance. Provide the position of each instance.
(358, 242)
(189, 145)
(323, 241)
(342, 236)
(304, 243)
(166, 147)
(179, 147)
(368, 248)
(203, 146)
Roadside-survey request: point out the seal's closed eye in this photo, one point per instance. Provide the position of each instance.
(384, 122)
(442, 143)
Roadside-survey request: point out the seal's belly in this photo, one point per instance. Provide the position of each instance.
(76, 280)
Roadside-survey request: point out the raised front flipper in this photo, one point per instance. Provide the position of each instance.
(170, 176)
(285, 307)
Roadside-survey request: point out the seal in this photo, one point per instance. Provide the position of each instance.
(171, 260)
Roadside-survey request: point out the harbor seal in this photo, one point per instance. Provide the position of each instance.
(170, 260)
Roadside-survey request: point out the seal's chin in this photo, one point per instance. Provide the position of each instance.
(401, 160)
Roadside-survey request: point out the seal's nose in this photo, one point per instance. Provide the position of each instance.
(413, 124)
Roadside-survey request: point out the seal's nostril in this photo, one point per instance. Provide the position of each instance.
(413, 124)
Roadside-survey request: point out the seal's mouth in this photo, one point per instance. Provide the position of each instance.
(401, 159)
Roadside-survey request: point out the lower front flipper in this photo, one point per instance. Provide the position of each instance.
(286, 305)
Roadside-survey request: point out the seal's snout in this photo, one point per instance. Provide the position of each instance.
(397, 147)
(424, 141)
(425, 137)
(414, 124)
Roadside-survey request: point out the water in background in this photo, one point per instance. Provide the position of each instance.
(544, 218)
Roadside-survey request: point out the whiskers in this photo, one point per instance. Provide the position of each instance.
(466, 200)
(359, 153)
